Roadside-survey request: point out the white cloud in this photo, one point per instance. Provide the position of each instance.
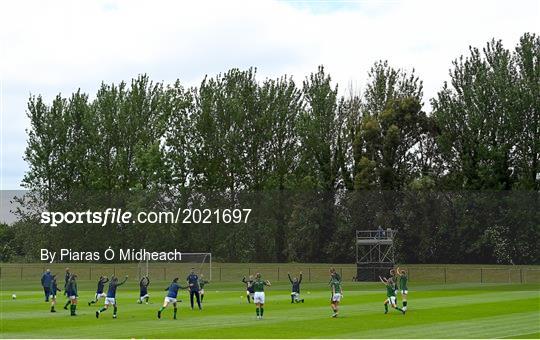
(58, 46)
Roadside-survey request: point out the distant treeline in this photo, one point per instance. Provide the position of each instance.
(324, 164)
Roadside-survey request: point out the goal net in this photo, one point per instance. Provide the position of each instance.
(159, 270)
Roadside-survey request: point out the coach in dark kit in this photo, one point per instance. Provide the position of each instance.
(46, 280)
(193, 283)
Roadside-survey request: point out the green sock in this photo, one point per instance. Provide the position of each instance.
(102, 309)
(67, 303)
(404, 303)
(257, 311)
(262, 311)
(161, 309)
(386, 307)
(399, 309)
(115, 310)
(174, 313)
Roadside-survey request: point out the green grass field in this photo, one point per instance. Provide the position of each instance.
(435, 311)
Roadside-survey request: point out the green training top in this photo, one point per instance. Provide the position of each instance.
(258, 285)
(336, 285)
(403, 282)
(390, 291)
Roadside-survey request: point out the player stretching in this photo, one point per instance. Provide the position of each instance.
(258, 297)
(111, 296)
(143, 289)
(403, 278)
(295, 291)
(337, 294)
(171, 297)
(202, 283)
(72, 294)
(193, 283)
(249, 288)
(99, 291)
(390, 295)
(52, 293)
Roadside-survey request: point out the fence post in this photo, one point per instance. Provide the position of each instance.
(21, 271)
(278, 273)
(521, 275)
(509, 276)
(444, 275)
(219, 273)
(309, 274)
(481, 275)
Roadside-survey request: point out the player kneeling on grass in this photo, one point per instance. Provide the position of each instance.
(403, 286)
(143, 290)
(99, 291)
(72, 294)
(337, 294)
(390, 295)
(172, 294)
(258, 297)
(111, 296)
(295, 289)
(249, 288)
(52, 293)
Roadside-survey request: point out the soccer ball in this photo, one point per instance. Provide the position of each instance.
(13, 296)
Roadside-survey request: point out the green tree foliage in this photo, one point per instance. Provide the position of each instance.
(313, 165)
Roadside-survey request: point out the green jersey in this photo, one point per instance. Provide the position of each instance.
(403, 282)
(336, 286)
(258, 285)
(390, 290)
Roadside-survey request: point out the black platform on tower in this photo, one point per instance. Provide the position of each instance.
(374, 253)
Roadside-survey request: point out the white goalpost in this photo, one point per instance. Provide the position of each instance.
(201, 262)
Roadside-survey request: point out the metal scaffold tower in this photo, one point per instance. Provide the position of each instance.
(374, 253)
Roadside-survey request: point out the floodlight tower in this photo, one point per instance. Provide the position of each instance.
(374, 253)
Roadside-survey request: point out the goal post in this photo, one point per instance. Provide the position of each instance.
(201, 262)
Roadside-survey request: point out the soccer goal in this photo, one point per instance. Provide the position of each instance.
(201, 262)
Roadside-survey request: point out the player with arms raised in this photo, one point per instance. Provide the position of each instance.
(99, 291)
(111, 296)
(390, 295)
(295, 289)
(403, 278)
(258, 287)
(143, 290)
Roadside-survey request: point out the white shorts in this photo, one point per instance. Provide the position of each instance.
(295, 294)
(110, 301)
(72, 297)
(258, 297)
(201, 291)
(170, 300)
(404, 292)
(392, 300)
(336, 297)
(101, 295)
(51, 296)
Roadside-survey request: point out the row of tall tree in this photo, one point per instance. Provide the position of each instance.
(311, 152)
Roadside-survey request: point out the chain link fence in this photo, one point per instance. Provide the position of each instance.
(276, 272)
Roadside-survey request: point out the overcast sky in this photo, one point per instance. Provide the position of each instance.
(47, 47)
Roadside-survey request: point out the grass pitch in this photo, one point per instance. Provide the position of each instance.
(435, 311)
